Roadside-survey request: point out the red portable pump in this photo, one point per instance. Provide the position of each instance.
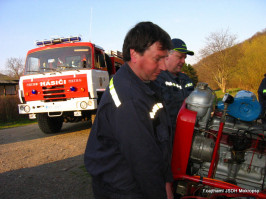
(216, 155)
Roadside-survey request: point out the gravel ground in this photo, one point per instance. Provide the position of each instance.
(35, 165)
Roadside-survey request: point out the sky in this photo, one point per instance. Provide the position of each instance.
(106, 22)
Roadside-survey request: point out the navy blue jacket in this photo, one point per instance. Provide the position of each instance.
(262, 94)
(174, 89)
(129, 147)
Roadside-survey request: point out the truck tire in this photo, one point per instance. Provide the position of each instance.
(49, 125)
(93, 116)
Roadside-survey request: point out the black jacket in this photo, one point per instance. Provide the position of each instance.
(262, 94)
(174, 89)
(129, 147)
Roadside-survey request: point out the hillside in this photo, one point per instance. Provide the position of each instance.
(245, 63)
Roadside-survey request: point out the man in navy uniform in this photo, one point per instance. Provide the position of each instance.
(128, 153)
(262, 99)
(175, 85)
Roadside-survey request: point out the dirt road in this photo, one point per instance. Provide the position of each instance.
(36, 165)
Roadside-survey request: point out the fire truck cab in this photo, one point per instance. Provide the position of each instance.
(63, 81)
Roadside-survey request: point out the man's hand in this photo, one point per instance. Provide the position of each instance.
(169, 192)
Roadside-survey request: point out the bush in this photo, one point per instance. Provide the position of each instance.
(9, 109)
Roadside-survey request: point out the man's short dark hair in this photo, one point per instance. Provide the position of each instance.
(142, 36)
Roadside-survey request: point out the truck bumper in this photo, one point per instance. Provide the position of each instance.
(77, 104)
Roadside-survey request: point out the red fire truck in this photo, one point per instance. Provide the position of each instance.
(116, 59)
(63, 81)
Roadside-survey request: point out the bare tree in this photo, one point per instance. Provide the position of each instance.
(14, 67)
(221, 64)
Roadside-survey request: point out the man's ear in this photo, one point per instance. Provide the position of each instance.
(133, 55)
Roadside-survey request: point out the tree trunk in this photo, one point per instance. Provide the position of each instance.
(224, 89)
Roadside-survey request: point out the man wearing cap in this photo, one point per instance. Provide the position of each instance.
(175, 85)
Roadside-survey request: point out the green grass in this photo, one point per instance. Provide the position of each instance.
(231, 91)
(20, 122)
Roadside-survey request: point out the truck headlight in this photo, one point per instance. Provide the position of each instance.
(27, 109)
(21, 108)
(83, 105)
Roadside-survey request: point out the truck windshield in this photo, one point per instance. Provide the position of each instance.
(58, 59)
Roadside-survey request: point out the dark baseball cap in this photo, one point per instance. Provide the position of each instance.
(180, 46)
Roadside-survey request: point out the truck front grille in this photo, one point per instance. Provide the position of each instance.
(54, 93)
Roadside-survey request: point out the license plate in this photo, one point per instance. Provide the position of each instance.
(77, 113)
(32, 116)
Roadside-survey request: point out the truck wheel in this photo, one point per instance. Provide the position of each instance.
(49, 125)
(91, 121)
(93, 116)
